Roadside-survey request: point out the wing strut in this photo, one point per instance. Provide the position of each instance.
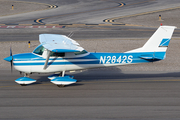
(47, 59)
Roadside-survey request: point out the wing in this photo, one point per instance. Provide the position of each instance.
(59, 43)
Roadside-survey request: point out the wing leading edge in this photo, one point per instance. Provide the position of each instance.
(59, 43)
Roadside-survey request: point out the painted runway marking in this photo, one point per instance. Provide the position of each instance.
(39, 20)
(10, 26)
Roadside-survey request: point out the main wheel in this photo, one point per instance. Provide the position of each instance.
(60, 85)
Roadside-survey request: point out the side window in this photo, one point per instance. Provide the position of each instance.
(55, 54)
(81, 52)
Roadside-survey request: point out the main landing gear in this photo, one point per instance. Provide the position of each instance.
(62, 79)
(59, 79)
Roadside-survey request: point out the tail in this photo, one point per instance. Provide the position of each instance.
(156, 46)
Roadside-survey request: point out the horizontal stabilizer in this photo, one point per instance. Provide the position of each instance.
(151, 58)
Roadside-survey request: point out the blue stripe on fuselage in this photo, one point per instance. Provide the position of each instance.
(94, 58)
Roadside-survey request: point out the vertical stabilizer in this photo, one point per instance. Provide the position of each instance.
(159, 41)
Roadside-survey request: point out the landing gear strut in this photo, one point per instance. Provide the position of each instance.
(26, 75)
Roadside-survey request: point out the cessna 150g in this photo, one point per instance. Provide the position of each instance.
(58, 53)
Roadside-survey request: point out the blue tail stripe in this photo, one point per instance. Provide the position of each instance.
(164, 43)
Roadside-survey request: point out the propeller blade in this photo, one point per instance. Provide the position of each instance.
(11, 66)
(12, 59)
(10, 52)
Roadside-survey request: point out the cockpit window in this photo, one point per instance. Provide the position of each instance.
(55, 54)
(81, 52)
(39, 50)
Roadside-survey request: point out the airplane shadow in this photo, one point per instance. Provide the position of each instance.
(115, 73)
(44, 79)
(110, 73)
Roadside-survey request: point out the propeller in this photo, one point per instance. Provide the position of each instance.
(11, 59)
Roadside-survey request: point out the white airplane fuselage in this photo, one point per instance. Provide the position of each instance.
(34, 63)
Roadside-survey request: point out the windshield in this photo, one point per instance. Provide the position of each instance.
(39, 50)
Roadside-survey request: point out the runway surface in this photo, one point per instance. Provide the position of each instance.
(99, 94)
(87, 11)
(81, 33)
(137, 92)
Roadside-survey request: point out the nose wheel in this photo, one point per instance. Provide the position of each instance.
(23, 81)
(26, 75)
(23, 84)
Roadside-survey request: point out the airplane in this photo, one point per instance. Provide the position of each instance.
(59, 53)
